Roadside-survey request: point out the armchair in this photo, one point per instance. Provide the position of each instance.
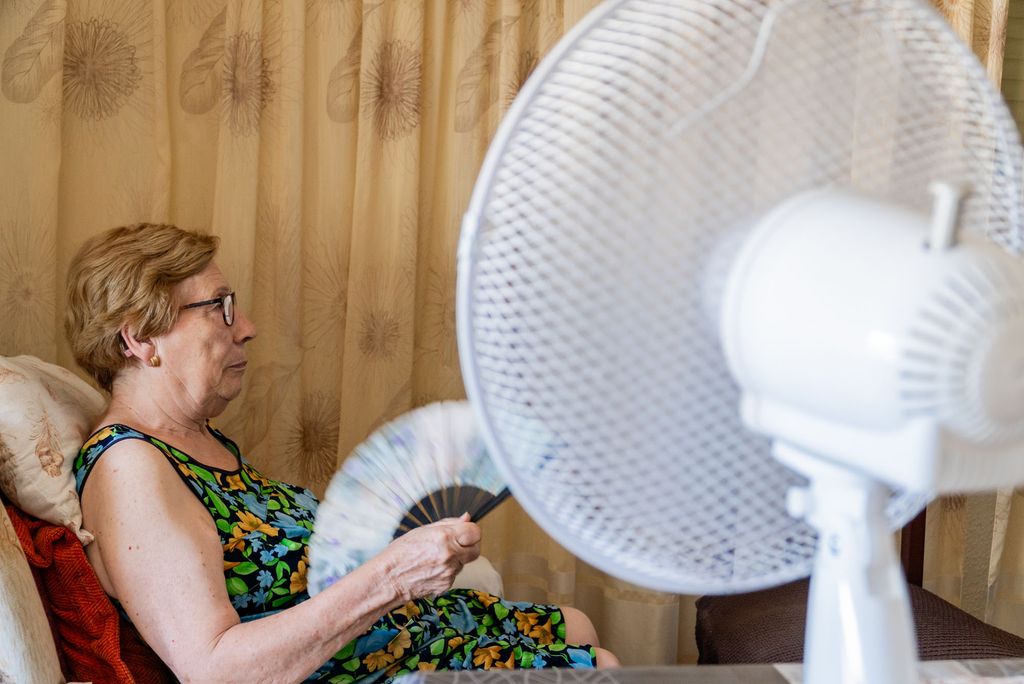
(768, 626)
(56, 622)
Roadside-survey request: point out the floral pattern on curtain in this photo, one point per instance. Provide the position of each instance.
(333, 146)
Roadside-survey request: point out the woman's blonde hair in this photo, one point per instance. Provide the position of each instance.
(126, 276)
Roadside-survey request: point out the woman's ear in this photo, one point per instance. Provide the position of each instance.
(132, 346)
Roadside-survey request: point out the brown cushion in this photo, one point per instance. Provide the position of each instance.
(145, 665)
(768, 627)
(88, 631)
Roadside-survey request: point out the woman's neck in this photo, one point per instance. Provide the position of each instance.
(155, 410)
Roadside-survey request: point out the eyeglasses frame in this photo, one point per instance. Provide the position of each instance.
(222, 300)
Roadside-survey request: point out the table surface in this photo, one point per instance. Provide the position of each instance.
(932, 672)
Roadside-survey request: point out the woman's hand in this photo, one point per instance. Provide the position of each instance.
(424, 562)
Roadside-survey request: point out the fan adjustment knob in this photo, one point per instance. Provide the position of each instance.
(945, 214)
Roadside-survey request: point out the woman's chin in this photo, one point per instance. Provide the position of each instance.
(227, 392)
(231, 393)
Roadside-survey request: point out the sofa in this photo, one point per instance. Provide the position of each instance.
(56, 622)
(768, 627)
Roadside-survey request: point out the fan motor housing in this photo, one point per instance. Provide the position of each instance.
(855, 338)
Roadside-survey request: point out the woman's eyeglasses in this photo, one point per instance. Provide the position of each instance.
(227, 306)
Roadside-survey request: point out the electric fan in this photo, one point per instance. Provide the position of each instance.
(425, 465)
(753, 267)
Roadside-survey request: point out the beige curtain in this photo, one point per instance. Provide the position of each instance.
(333, 145)
(974, 545)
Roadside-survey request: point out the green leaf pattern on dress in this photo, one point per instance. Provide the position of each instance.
(264, 527)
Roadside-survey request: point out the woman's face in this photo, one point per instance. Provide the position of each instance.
(201, 353)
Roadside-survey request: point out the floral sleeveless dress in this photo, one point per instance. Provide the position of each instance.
(264, 527)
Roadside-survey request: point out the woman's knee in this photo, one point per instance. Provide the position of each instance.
(578, 627)
(606, 658)
(580, 630)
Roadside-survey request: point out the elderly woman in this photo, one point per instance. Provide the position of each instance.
(208, 557)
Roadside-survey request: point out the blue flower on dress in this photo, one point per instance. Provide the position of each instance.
(463, 619)
(538, 661)
(307, 502)
(265, 578)
(374, 641)
(580, 658)
(290, 526)
(254, 506)
(260, 597)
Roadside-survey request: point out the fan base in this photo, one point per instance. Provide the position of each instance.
(859, 627)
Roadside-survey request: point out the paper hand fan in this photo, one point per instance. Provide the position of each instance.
(424, 466)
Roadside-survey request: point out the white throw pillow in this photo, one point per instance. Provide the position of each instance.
(480, 575)
(46, 412)
(28, 654)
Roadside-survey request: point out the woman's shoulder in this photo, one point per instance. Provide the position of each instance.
(121, 448)
(107, 434)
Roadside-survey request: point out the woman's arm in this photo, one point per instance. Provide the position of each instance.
(161, 557)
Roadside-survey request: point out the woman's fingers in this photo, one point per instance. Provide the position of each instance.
(426, 560)
(450, 521)
(467, 552)
(467, 534)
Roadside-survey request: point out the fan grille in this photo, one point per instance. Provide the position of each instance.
(625, 177)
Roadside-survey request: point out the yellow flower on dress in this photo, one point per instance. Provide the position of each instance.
(185, 470)
(250, 523)
(455, 642)
(525, 621)
(487, 599)
(298, 578)
(542, 633)
(258, 479)
(378, 660)
(409, 610)
(102, 434)
(234, 482)
(486, 656)
(401, 642)
(231, 564)
(509, 664)
(237, 540)
(426, 667)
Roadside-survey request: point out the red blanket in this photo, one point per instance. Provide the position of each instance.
(94, 642)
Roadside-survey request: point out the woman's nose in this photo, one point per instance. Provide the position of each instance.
(244, 327)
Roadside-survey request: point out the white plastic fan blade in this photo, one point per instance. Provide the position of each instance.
(629, 186)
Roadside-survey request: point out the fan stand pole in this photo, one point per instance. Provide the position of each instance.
(859, 627)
